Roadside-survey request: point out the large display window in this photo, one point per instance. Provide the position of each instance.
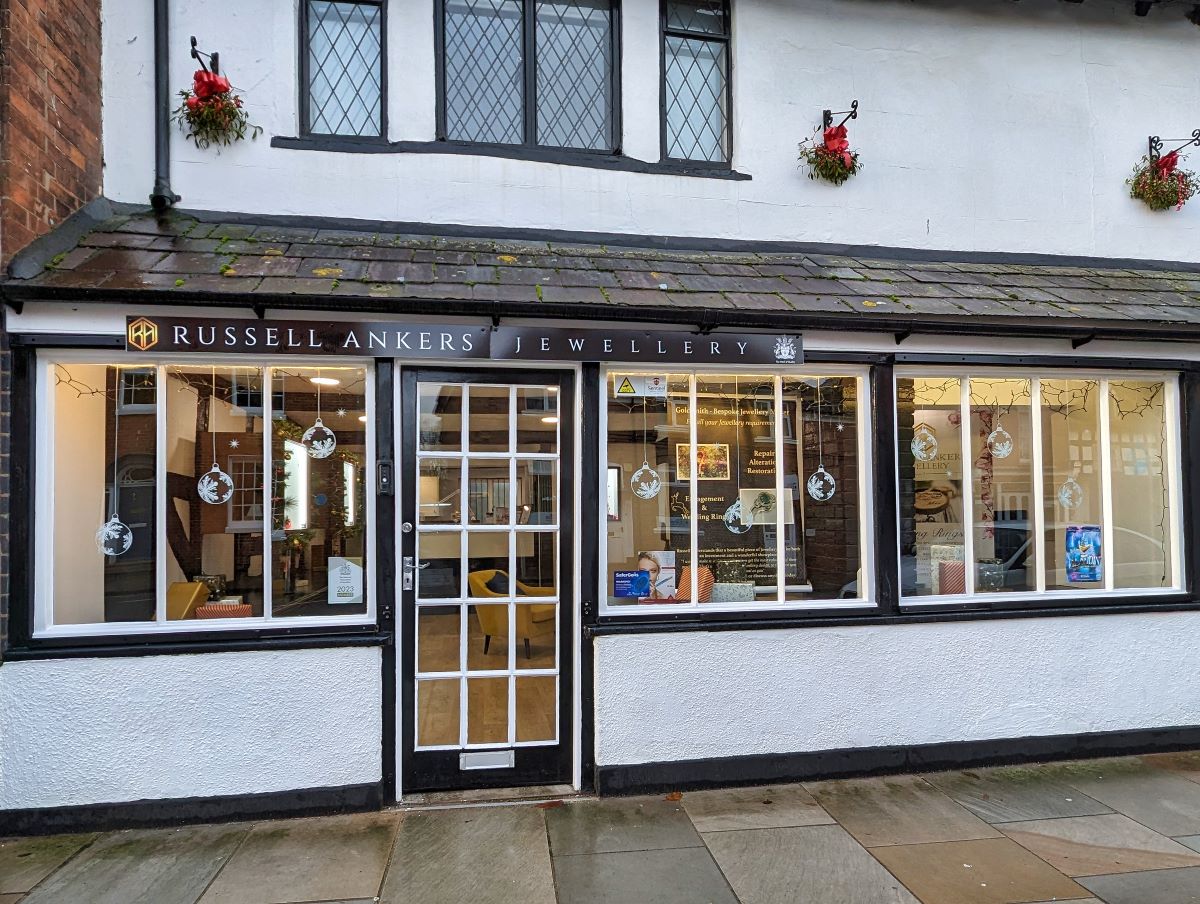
(188, 495)
(1020, 485)
(729, 490)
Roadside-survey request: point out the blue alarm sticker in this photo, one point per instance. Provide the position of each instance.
(634, 584)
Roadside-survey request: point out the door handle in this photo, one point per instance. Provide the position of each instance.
(410, 566)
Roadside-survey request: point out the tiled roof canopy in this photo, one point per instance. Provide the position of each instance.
(195, 260)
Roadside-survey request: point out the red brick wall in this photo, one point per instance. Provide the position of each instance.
(50, 153)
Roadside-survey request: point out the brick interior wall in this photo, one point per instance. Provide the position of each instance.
(50, 153)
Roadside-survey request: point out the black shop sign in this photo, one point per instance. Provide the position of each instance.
(456, 342)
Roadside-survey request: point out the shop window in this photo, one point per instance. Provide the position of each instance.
(696, 85)
(343, 66)
(734, 491)
(1022, 486)
(158, 515)
(565, 99)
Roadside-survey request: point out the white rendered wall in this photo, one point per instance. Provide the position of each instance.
(663, 697)
(87, 731)
(987, 125)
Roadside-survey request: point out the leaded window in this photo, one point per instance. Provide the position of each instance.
(342, 64)
(696, 85)
(529, 72)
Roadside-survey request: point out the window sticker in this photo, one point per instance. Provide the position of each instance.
(1084, 554)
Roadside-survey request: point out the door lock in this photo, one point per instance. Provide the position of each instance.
(409, 569)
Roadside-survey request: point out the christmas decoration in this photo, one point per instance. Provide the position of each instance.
(645, 481)
(114, 536)
(1000, 442)
(821, 485)
(924, 443)
(211, 112)
(831, 158)
(1160, 184)
(215, 487)
(318, 439)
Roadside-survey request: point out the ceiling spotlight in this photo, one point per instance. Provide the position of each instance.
(362, 418)
(325, 381)
(550, 419)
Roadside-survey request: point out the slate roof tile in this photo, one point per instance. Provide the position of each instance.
(410, 270)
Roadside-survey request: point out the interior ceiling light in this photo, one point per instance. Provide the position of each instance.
(550, 419)
(325, 381)
(363, 418)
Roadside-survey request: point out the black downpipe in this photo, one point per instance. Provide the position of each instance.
(162, 197)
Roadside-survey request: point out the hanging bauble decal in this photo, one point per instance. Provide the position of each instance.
(821, 485)
(924, 443)
(645, 482)
(1070, 493)
(114, 537)
(737, 521)
(319, 440)
(215, 487)
(1000, 442)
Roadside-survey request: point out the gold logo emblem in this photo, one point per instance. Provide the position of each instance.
(142, 334)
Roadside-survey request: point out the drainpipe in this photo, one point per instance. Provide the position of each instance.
(162, 197)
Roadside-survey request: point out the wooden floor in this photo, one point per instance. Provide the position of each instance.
(439, 700)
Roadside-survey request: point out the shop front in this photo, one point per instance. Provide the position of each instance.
(278, 559)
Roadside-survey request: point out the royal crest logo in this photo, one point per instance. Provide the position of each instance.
(142, 334)
(785, 349)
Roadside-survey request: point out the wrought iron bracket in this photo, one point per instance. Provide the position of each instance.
(1156, 144)
(213, 64)
(827, 115)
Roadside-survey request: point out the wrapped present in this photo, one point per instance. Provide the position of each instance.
(224, 610)
(952, 577)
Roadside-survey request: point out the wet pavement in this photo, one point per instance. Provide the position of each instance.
(1117, 831)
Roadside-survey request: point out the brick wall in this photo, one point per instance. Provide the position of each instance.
(50, 153)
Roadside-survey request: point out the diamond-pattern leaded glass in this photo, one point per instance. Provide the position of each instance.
(697, 73)
(700, 16)
(345, 68)
(574, 74)
(484, 60)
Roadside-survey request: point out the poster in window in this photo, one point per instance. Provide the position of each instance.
(1085, 554)
(345, 581)
(712, 461)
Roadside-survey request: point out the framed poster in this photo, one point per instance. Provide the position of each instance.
(712, 461)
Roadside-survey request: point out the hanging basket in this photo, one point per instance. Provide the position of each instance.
(830, 158)
(211, 112)
(1160, 184)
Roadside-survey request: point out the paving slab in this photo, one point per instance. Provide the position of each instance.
(1159, 886)
(768, 807)
(24, 862)
(619, 824)
(492, 855)
(144, 866)
(10, 899)
(989, 871)
(809, 863)
(897, 810)
(1193, 841)
(1165, 802)
(322, 859)
(1015, 793)
(1099, 845)
(675, 876)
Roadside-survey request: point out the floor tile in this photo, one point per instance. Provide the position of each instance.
(897, 810)
(1167, 803)
(1098, 845)
(1015, 793)
(485, 855)
(619, 824)
(773, 807)
(1184, 762)
(814, 863)
(24, 862)
(992, 871)
(676, 876)
(151, 866)
(1160, 886)
(320, 859)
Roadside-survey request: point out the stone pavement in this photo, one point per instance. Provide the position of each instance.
(1119, 831)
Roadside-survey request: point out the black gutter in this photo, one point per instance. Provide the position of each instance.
(162, 197)
(1080, 331)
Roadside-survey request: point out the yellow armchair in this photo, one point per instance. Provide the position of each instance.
(183, 597)
(493, 620)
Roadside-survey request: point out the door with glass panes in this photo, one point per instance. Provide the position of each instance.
(486, 606)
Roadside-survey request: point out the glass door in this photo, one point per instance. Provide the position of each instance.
(484, 580)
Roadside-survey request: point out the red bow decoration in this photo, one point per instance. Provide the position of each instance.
(837, 143)
(207, 84)
(1166, 164)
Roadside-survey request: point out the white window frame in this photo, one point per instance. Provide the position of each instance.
(866, 598)
(124, 407)
(1039, 596)
(43, 614)
(236, 525)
